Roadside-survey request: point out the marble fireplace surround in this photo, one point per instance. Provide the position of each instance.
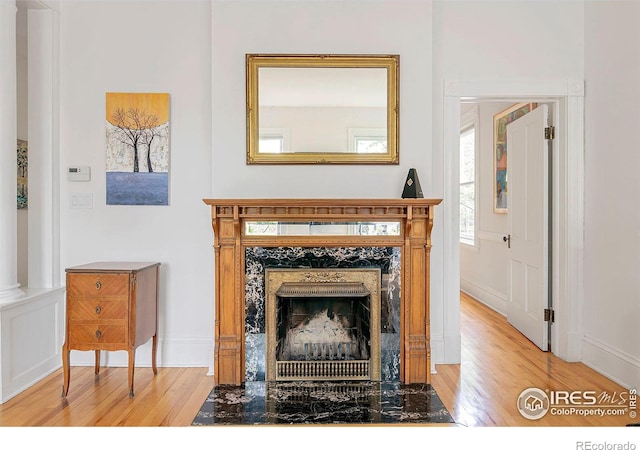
(231, 245)
(295, 262)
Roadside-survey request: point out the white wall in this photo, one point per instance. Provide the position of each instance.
(134, 46)
(612, 159)
(381, 27)
(507, 40)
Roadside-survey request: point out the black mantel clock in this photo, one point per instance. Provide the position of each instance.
(412, 187)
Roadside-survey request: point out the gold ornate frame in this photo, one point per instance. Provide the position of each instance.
(256, 61)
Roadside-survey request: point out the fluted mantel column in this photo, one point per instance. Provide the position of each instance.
(9, 286)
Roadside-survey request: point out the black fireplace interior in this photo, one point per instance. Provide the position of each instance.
(323, 328)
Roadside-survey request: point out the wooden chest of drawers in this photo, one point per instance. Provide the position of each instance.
(111, 306)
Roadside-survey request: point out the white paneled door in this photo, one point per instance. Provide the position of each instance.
(528, 218)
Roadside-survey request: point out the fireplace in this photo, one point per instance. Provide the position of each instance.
(243, 296)
(323, 324)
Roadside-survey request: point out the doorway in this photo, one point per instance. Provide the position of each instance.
(504, 215)
(567, 194)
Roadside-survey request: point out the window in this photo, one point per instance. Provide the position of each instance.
(468, 178)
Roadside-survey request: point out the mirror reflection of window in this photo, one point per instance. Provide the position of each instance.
(262, 228)
(271, 144)
(273, 140)
(370, 145)
(368, 140)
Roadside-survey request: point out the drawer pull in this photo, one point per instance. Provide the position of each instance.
(98, 285)
(98, 309)
(98, 334)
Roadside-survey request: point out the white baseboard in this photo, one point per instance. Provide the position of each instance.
(493, 299)
(437, 350)
(614, 364)
(445, 350)
(571, 349)
(452, 349)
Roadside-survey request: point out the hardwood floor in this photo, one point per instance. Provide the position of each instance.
(497, 364)
(172, 398)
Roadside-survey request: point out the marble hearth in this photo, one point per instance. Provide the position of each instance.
(243, 258)
(323, 403)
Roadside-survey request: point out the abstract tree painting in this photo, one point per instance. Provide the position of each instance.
(137, 159)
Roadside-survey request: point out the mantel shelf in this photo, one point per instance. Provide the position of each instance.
(320, 209)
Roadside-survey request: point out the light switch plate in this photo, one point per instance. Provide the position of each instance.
(81, 200)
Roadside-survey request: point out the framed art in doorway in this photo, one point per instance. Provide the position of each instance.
(500, 180)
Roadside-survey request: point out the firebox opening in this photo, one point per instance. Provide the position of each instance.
(323, 324)
(323, 329)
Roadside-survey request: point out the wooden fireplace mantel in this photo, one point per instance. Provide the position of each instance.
(228, 217)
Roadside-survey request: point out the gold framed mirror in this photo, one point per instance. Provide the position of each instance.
(322, 109)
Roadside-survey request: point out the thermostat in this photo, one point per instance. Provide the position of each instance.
(79, 173)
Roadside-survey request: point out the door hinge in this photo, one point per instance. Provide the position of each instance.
(549, 315)
(550, 132)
